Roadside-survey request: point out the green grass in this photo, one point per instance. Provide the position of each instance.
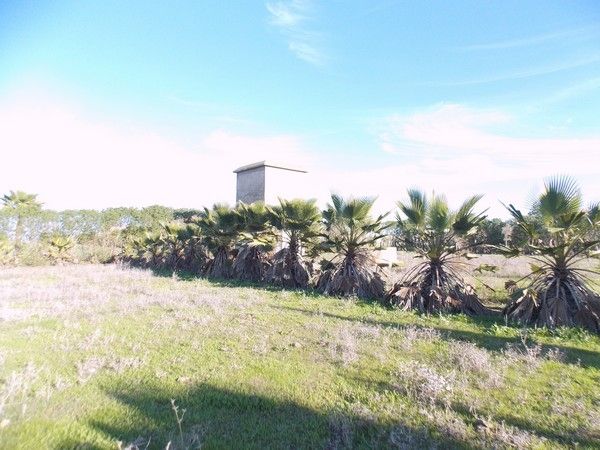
(93, 355)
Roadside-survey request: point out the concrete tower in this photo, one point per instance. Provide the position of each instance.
(264, 181)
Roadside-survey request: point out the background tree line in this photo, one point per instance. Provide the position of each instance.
(31, 235)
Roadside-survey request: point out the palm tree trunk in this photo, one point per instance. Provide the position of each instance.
(18, 233)
(292, 258)
(220, 265)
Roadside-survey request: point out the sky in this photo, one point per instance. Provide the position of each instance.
(137, 103)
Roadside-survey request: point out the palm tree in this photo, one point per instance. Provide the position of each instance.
(220, 227)
(257, 240)
(179, 240)
(556, 293)
(195, 254)
(351, 234)
(298, 221)
(21, 204)
(59, 246)
(437, 235)
(145, 248)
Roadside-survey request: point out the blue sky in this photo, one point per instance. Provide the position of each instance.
(372, 97)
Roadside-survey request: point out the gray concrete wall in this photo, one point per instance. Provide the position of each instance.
(251, 185)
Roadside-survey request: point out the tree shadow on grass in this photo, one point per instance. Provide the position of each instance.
(485, 339)
(220, 418)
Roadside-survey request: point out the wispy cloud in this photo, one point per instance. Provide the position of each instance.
(574, 90)
(525, 72)
(287, 14)
(291, 17)
(539, 39)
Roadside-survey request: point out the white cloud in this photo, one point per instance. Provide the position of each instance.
(75, 160)
(72, 160)
(287, 14)
(290, 18)
(459, 151)
(450, 130)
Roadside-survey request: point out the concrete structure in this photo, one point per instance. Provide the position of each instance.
(387, 257)
(265, 181)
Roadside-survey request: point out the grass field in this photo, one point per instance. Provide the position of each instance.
(108, 357)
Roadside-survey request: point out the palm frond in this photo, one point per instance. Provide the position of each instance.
(561, 197)
(416, 208)
(465, 219)
(593, 214)
(467, 206)
(297, 215)
(21, 201)
(438, 214)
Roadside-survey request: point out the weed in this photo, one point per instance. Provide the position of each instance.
(344, 346)
(424, 384)
(178, 418)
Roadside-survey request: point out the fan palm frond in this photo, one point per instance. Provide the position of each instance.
(438, 214)
(465, 220)
(416, 208)
(561, 198)
(19, 200)
(593, 215)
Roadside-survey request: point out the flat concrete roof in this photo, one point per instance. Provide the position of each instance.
(266, 164)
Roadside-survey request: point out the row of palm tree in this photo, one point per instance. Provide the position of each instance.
(239, 243)
(281, 244)
(174, 246)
